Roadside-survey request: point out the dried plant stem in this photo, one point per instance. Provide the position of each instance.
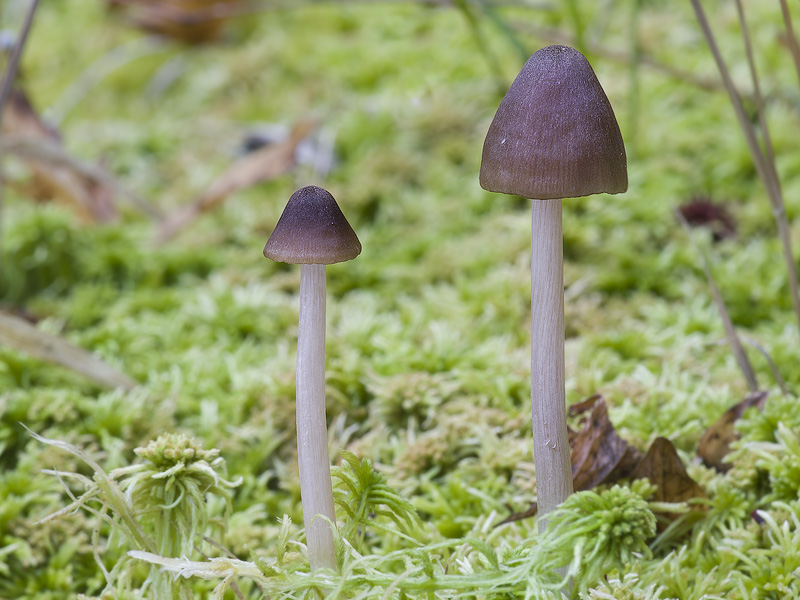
(316, 489)
(548, 403)
(730, 331)
(54, 154)
(21, 335)
(13, 65)
(765, 167)
(792, 40)
(5, 93)
(773, 367)
(559, 36)
(759, 98)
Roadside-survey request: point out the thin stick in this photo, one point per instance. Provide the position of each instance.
(766, 170)
(316, 489)
(37, 149)
(773, 367)
(559, 36)
(13, 65)
(730, 331)
(5, 93)
(793, 45)
(759, 98)
(548, 403)
(21, 335)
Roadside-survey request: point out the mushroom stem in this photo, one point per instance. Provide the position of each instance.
(312, 432)
(548, 402)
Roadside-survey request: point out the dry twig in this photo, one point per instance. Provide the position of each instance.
(53, 155)
(5, 92)
(261, 165)
(765, 168)
(21, 335)
(730, 330)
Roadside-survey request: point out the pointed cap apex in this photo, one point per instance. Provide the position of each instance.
(312, 230)
(555, 134)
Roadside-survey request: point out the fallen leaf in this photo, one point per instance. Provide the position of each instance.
(581, 407)
(53, 154)
(188, 21)
(90, 198)
(599, 455)
(263, 164)
(664, 468)
(715, 444)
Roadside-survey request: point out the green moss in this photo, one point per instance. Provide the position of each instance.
(427, 339)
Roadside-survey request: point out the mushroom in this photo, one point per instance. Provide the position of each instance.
(313, 232)
(554, 136)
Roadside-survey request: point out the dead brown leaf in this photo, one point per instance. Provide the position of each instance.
(263, 164)
(90, 198)
(188, 21)
(715, 444)
(599, 455)
(581, 407)
(664, 468)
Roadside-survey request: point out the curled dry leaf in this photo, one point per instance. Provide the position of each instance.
(577, 409)
(715, 444)
(599, 455)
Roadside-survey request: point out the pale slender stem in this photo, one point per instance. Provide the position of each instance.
(312, 431)
(548, 403)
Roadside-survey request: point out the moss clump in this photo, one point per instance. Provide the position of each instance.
(600, 532)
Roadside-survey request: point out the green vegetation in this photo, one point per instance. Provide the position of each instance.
(427, 339)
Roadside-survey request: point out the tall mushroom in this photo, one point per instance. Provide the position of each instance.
(313, 232)
(554, 136)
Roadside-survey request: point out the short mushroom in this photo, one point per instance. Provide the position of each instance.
(554, 136)
(313, 232)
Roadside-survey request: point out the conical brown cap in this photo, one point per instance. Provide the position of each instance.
(554, 134)
(312, 230)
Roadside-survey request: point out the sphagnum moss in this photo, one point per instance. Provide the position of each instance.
(173, 319)
(157, 506)
(168, 489)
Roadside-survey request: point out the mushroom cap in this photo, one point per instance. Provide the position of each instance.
(554, 134)
(312, 230)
